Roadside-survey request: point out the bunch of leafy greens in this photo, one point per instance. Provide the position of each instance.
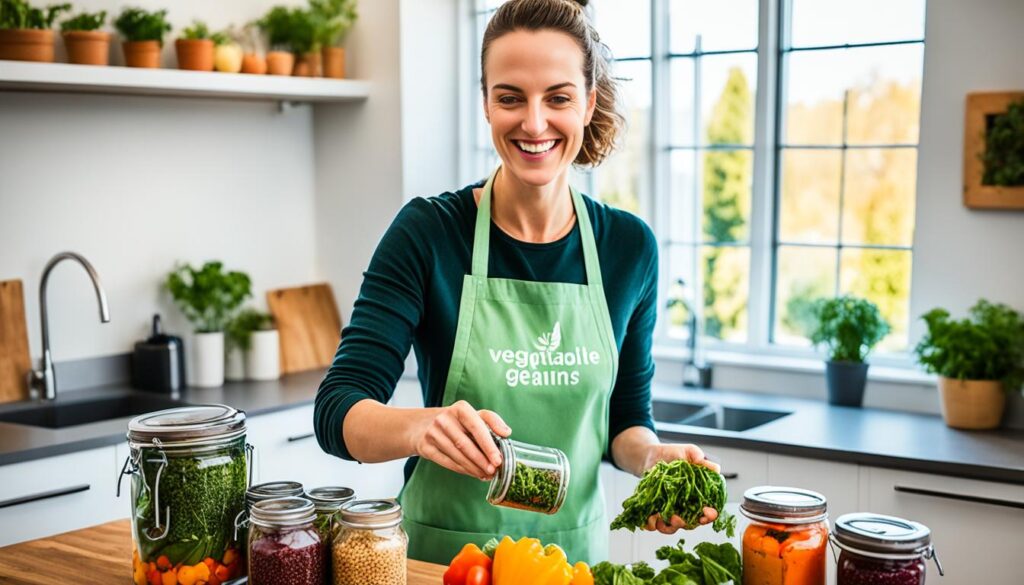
(136, 24)
(20, 14)
(534, 489)
(85, 21)
(709, 564)
(677, 488)
(850, 326)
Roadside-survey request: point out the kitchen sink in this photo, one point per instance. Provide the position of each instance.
(58, 415)
(714, 416)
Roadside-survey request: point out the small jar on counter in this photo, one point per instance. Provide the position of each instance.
(787, 540)
(284, 547)
(531, 477)
(328, 501)
(877, 549)
(370, 547)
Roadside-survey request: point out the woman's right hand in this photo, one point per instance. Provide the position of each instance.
(458, 437)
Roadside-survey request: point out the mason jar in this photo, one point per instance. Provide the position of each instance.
(787, 539)
(370, 547)
(328, 501)
(284, 546)
(531, 477)
(189, 473)
(882, 549)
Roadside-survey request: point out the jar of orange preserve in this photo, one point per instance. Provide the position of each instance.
(787, 539)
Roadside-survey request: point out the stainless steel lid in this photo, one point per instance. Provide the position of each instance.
(282, 512)
(784, 505)
(271, 490)
(371, 513)
(330, 497)
(882, 534)
(187, 426)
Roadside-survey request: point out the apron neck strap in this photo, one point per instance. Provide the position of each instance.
(482, 234)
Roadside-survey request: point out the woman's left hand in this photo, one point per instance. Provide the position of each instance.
(671, 452)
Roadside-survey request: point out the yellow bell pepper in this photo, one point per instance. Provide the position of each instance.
(581, 574)
(526, 562)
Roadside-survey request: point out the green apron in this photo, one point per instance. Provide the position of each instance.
(543, 356)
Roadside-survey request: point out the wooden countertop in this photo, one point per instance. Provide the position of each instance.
(103, 554)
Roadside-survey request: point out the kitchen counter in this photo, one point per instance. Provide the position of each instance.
(103, 554)
(815, 429)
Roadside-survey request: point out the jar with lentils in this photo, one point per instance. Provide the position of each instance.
(370, 546)
(284, 546)
(328, 501)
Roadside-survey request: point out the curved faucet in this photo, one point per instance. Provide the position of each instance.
(44, 380)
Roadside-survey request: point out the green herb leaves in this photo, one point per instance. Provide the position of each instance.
(850, 326)
(709, 564)
(533, 489)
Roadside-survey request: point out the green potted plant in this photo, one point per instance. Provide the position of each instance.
(25, 32)
(143, 34)
(277, 25)
(304, 43)
(209, 298)
(850, 327)
(334, 19)
(978, 359)
(85, 43)
(254, 341)
(195, 48)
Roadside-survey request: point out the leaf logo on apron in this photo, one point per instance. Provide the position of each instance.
(547, 366)
(550, 341)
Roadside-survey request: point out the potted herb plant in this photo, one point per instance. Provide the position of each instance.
(25, 32)
(334, 19)
(208, 297)
(304, 43)
(277, 25)
(143, 34)
(227, 53)
(252, 335)
(978, 359)
(85, 43)
(850, 327)
(194, 48)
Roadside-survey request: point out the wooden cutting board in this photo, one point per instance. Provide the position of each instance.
(15, 362)
(308, 324)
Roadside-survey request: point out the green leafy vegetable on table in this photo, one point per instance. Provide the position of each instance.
(708, 564)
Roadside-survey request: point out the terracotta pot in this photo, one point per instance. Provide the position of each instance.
(972, 404)
(87, 47)
(334, 62)
(194, 54)
(280, 63)
(254, 64)
(307, 65)
(142, 54)
(26, 44)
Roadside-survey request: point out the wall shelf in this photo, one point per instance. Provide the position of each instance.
(67, 78)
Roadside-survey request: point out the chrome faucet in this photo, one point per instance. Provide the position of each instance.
(44, 381)
(696, 372)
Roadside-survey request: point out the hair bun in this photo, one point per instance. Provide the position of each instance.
(582, 3)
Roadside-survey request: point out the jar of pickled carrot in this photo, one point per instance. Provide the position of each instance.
(787, 539)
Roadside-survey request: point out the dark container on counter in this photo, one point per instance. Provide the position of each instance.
(284, 546)
(158, 363)
(877, 549)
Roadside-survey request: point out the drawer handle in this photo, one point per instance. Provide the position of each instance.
(961, 497)
(44, 495)
(301, 437)
(730, 474)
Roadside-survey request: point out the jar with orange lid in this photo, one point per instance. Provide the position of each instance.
(787, 539)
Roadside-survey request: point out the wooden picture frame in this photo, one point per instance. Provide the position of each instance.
(980, 108)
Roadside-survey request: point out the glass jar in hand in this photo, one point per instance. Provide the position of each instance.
(284, 547)
(787, 539)
(531, 477)
(882, 550)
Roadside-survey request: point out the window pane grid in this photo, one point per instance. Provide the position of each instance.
(700, 53)
(852, 46)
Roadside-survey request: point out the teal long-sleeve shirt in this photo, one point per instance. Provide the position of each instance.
(411, 291)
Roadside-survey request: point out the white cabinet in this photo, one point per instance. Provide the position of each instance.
(977, 542)
(79, 489)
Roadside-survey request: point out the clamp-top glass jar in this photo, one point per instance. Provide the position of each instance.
(371, 547)
(787, 539)
(882, 549)
(284, 547)
(531, 477)
(189, 474)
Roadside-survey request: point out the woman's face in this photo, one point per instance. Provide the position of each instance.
(537, 103)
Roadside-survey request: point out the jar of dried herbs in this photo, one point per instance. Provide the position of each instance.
(371, 546)
(531, 477)
(284, 546)
(328, 501)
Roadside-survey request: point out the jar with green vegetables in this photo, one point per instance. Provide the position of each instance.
(531, 477)
(328, 501)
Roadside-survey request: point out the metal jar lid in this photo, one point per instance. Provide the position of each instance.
(330, 498)
(371, 514)
(282, 512)
(784, 505)
(271, 490)
(187, 426)
(882, 534)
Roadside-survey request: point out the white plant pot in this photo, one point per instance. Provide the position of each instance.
(263, 360)
(208, 359)
(234, 364)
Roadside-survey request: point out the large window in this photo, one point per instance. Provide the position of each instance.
(764, 197)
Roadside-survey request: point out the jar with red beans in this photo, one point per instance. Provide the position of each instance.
(882, 550)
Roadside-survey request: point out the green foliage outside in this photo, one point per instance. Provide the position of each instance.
(238, 331)
(1004, 148)
(849, 326)
(136, 24)
(21, 14)
(208, 296)
(198, 31)
(85, 21)
(988, 345)
(332, 20)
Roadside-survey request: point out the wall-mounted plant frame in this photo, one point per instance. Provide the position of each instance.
(980, 111)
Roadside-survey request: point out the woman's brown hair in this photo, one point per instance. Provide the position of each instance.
(569, 17)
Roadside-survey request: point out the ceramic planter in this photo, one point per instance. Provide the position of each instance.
(254, 64)
(280, 63)
(144, 54)
(334, 62)
(263, 360)
(87, 47)
(26, 44)
(307, 65)
(194, 54)
(972, 404)
(207, 359)
(846, 382)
